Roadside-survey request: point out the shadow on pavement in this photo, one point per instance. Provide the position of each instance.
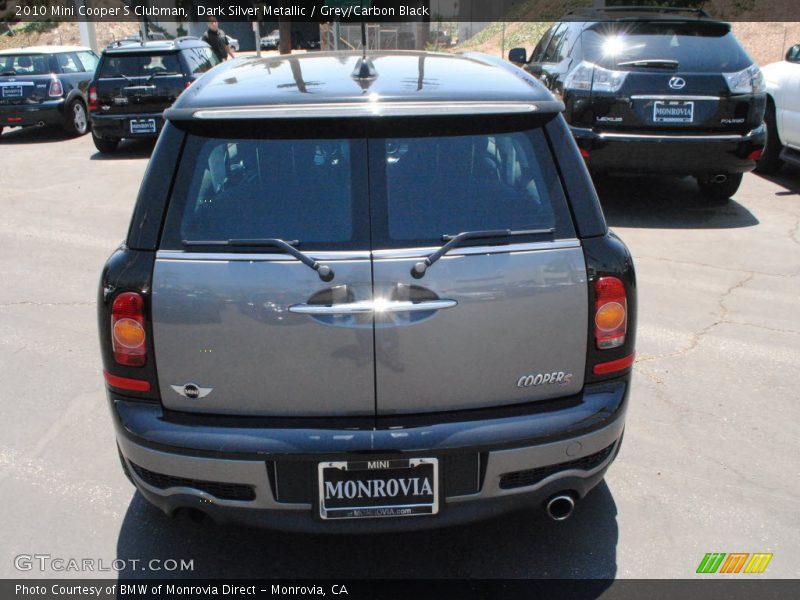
(788, 178)
(34, 135)
(519, 545)
(128, 149)
(666, 203)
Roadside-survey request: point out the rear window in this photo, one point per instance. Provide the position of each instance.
(139, 65)
(315, 191)
(24, 64)
(697, 47)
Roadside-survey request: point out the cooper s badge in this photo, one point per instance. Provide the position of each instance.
(536, 379)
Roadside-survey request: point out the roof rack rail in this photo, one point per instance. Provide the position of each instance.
(183, 38)
(666, 10)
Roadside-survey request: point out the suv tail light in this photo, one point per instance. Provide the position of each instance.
(128, 334)
(56, 89)
(610, 313)
(591, 77)
(93, 99)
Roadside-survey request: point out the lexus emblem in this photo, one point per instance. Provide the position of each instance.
(192, 390)
(677, 83)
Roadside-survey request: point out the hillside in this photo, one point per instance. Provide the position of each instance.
(65, 33)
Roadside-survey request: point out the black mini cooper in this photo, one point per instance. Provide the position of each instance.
(136, 81)
(655, 90)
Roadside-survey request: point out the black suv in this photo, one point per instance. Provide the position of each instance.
(136, 81)
(661, 90)
(44, 85)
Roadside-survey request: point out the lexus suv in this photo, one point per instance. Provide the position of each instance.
(45, 85)
(136, 81)
(374, 307)
(657, 91)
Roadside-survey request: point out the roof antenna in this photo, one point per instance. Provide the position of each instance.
(364, 67)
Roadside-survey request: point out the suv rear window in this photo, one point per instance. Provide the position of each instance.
(315, 190)
(139, 65)
(698, 47)
(24, 64)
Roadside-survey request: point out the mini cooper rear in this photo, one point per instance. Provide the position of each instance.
(392, 303)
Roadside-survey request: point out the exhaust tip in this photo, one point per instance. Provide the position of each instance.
(560, 507)
(720, 178)
(40, 124)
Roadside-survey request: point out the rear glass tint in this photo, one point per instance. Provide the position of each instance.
(697, 47)
(302, 190)
(24, 64)
(138, 65)
(437, 186)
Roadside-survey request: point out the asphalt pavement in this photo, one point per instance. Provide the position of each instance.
(710, 459)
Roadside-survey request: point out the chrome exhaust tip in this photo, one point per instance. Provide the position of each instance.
(719, 178)
(560, 507)
(40, 124)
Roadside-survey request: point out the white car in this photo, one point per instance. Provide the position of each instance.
(782, 117)
(233, 42)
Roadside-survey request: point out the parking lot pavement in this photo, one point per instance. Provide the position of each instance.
(709, 461)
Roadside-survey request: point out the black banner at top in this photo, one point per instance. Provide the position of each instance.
(377, 11)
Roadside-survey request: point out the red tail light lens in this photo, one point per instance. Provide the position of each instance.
(188, 83)
(128, 335)
(755, 155)
(613, 366)
(56, 89)
(93, 99)
(610, 313)
(126, 383)
(584, 153)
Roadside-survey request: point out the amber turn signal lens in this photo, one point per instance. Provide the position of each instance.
(609, 316)
(128, 333)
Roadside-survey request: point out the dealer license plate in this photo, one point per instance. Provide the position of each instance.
(378, 488)
(673, 111)
(12, 91)
(143, 126)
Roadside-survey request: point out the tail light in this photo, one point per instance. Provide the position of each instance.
(128, 335)
(188, 83)
(56, 89)
(584, 153)
(610, 313)
(755, 155)
(93, 99)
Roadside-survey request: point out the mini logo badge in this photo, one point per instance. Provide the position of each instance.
(192, 390)
(677, 83)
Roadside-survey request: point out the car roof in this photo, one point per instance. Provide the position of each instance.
(44, 50)
(135, 46)
(323, 84)
(639, 13)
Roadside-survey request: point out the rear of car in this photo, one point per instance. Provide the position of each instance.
(664, 94)
(45, 86)
(135, 83)
(360, 318)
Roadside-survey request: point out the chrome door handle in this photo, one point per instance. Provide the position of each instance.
(371, 306)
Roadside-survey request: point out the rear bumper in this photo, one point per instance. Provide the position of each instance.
(117, 127)
(567, 447)
(25, 115)
(678, 154)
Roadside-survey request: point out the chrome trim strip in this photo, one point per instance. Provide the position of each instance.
(365, 254)
(342, 109)
(16, 83)
(371, 306)
(661, 136)
(656, 97)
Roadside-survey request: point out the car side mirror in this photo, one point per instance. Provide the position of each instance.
(793, 55)
(518, 56)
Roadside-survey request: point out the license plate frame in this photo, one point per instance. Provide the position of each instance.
(387, 506)
(140, 126)
(688, 117)
(8, 89)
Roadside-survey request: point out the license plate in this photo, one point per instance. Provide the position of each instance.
(12, 91)
(143, 126)
(378, 488)
(672, 111)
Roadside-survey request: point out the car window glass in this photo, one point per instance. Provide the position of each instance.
(200, 60)
(551, 54)
(698, 47)
(264, 188)
(136, 65)
(88, 60)
(25, 64)
(68, 62)
(450, 184)
(538, 51)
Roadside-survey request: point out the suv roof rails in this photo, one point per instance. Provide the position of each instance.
(664, 10)
(184, 38)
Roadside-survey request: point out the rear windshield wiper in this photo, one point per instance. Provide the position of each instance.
(325, 272)
(418, 270)
(653, 63)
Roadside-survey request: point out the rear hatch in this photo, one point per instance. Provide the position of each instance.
(499, 319)
(24, 78)
(137, 82)
(668, 77)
